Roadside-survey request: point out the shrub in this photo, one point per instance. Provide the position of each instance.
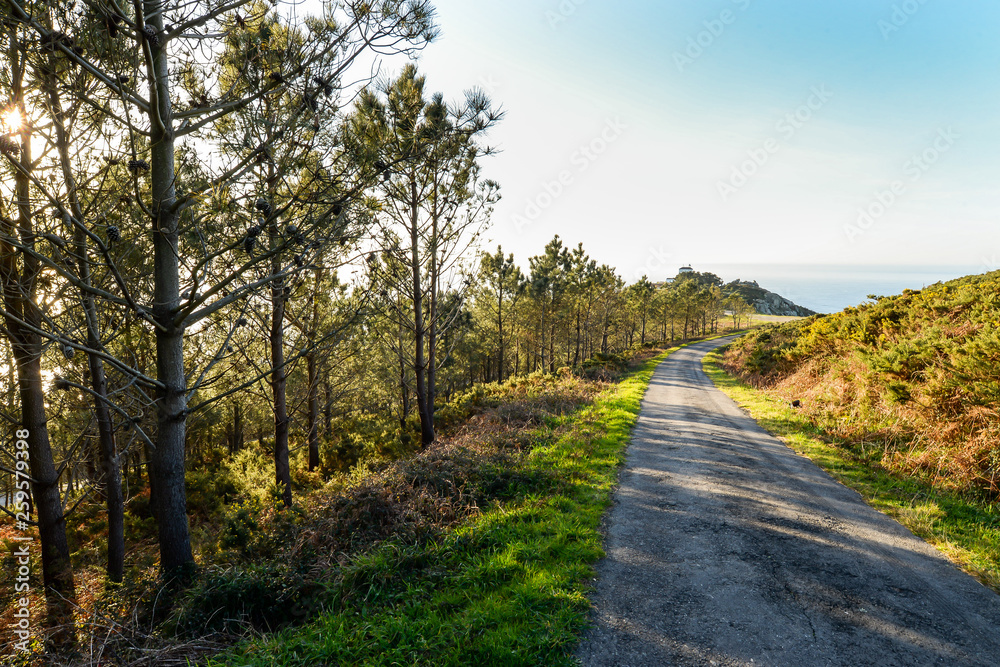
(251, 472)
(209, 490)
(234, 600)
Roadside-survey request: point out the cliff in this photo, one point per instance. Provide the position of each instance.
(765, 302)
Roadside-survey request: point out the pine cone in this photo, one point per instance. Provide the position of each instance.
(50, 43)
(114, 234)
(150, 34)
(8, 146)
(138, 166)
(112, 22)
(324, 85)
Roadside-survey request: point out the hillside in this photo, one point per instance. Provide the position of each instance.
(761, 300)
(910, 382)
(764, 301)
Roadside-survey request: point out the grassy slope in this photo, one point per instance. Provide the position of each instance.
(507, 588)
(914, 375)
(967, 530)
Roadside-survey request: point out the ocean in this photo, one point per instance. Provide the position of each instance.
(831, 288)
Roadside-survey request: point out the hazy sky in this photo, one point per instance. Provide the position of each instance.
(752, 131)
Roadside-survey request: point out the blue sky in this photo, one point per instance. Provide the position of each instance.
(767, 131)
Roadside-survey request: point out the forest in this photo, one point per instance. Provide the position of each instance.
(240, 277)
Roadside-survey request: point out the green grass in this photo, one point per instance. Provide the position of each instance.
(507, 588)
(964, 528)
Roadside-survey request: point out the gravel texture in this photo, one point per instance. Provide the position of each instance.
(724, 547)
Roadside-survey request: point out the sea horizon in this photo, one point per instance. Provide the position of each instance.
(829, 288)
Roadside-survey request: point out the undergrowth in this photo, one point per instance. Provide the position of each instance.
(912, 378)
(507, 586)
(965, 526)
(477, 549)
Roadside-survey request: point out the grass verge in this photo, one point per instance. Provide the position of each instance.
(964, 528)
(506, 588)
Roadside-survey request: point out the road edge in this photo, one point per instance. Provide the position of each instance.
(916, 506)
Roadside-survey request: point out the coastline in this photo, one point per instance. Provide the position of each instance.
(831, 288)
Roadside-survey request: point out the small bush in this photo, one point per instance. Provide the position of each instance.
(209, 490)
(236, 600)
(251, 473)
(240, 527)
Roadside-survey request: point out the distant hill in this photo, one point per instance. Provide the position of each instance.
(763, 301)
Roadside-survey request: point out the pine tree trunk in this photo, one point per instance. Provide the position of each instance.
(404, 390)
(420, 364)
(168, 458)
(312, 369)
(111, 477)
(26, 348)
(576, 355)
(432, 329)
(57, 570)
(327, 410)
(282, 470)
(552, 344)
(541, 337)
(109, 480)
(500, 359)
(432, 338)
(236, 441)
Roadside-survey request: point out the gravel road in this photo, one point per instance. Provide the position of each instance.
(724, 547)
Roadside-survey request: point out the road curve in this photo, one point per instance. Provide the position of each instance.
(724, 547)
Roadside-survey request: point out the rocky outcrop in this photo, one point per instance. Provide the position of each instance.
(775, 304)
(765, 302)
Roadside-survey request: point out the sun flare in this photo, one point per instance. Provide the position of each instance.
(11, 120)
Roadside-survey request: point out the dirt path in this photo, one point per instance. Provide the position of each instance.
(724, 547)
